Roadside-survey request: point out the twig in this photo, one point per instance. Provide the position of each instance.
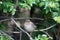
(46, 28)
(20, 19)
(4, 20)
(43, 30)
(30, 18)
(22, 29)
(47, 34)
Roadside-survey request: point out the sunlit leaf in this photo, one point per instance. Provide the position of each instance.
(57, 19)
(55, 14)
(41, 4)
(24, 5)
(5, 10)
(4, 37)
(13, 11)
(0, 2)
(41, 37)
(11, 8)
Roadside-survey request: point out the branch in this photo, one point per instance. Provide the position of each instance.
(4, 20)
(20, 19)
(46, 28)
(47, 34)
(43, 30)
(22, 29)
(30, 18)
(16, 4)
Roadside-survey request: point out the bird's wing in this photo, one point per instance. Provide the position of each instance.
(33, 25)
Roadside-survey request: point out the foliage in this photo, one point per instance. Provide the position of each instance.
(30, 2)
(8, 7)
(3, 26)
(48, 6)
(52, 7)
(57, 19)
(3, 37)
(24, 5)
(41, 37)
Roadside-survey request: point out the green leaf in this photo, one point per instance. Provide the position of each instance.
(43, 0)
(11, 8)
(36, 38)
(5, 10)
(30, 2)
(41, 4)
(46, 5)
(13, 11)
(24, 5)
(4, 37)
(39, 36)
(56, 0)
(57, 19)
(0, 2)
(55, 14)
(47, 11)
(53, 4)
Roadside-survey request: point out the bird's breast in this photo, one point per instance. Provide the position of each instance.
(29, 28)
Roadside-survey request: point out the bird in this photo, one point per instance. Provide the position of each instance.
(29, 26)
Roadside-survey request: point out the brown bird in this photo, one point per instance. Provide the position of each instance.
(29, 26)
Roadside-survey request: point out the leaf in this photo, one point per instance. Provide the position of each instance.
(36, 38)
(4, 37)
(55, 14)
(39, 36)
(45, 38)
(57, 19)
(11, 8)
(29, 2)
(56, 0)
(0, 2)
(53, 4)
(13, 11)
(44, 35)
(46, 5)
(24, 5)
(43, 0)
(1, 37)
(5, 10)
(46, 11)
(41, 4)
